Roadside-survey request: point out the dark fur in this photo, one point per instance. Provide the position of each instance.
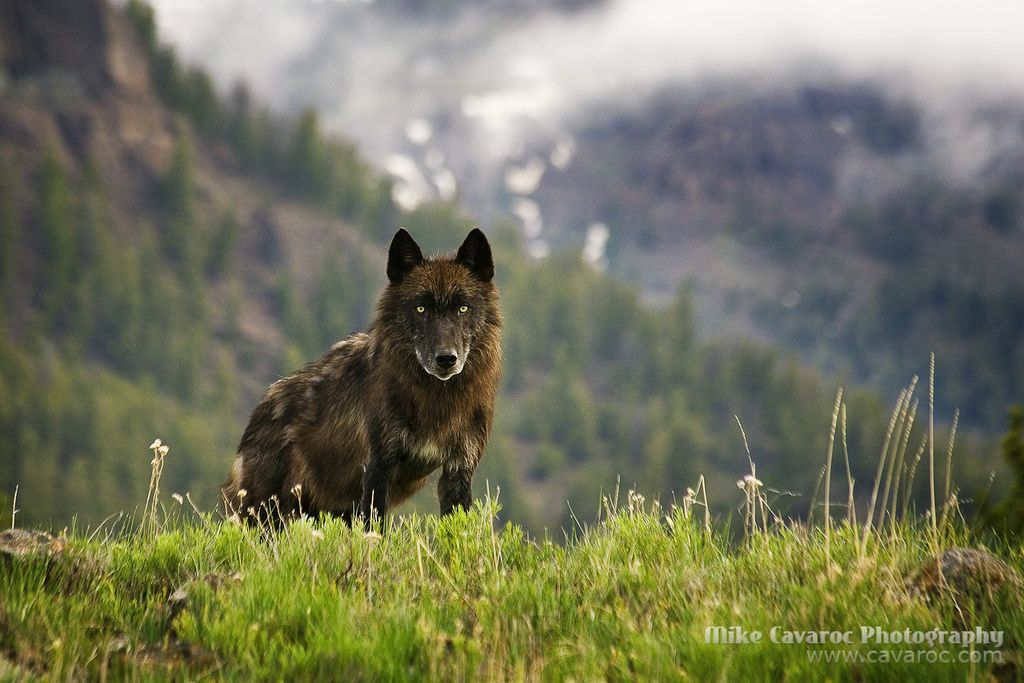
(361, 428)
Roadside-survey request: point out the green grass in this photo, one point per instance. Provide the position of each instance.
(628, 598)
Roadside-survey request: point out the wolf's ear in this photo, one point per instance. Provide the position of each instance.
(403, 256)
(475, 254)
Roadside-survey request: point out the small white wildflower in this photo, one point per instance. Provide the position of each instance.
(242, 493)
(297, 490)
(155, 445)
(749, 482)
(688, 501)
(178, 498)
(163, 450)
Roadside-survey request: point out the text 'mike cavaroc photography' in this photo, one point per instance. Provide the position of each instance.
(511, 340)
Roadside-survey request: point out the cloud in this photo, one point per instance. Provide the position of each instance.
(614, 43)
(482, 76)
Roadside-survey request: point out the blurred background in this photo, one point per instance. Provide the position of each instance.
(700, 212)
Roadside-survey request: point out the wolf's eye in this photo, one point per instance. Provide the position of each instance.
(421, 309)
(463, 309)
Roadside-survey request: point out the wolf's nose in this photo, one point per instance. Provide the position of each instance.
(446, 360)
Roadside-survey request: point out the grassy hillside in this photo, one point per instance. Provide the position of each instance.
(639, 590)
(629, 597)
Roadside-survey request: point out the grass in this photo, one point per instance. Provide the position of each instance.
(629, 598)
(634, 596)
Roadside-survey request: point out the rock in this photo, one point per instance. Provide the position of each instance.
(963, 573)
(176, 604)
(217, 579)
(21, 542)
(178, 597)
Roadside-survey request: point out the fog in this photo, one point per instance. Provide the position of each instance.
(278, 45)
(450, 103)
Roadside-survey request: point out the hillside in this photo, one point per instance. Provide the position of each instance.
(639, 595)
(166, 253)
(148, 268)
(842, 221)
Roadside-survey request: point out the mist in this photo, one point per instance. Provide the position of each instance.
(361, 51)
(459, 100)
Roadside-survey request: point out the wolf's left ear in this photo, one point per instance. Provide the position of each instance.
(475, 254)
(403, 256)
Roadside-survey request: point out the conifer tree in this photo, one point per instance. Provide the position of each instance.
(222, 245)
(56, 239)
(295, 317)
(1008, 516)
(333, 300)
(8, 230)
(309, 169)
(178, 197)
(242, 129)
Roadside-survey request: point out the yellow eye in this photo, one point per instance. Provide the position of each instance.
(463, 309)
(421, 309)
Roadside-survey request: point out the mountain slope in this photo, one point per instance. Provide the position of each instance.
(833, 220)
(143, 265)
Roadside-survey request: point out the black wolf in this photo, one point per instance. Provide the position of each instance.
(360, 429)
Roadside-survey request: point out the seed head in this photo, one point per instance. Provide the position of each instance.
(749, 482)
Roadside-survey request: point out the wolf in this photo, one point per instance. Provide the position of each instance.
(359, 430)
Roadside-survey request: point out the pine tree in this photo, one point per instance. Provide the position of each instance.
(201, 103)
(142, 17)
(9, 238)
(56, 240)
(178, 195)
(309, 169)
(222, 246)
(295, 317)
(333, 300)
(92, 247)
(1009, 515)
(242, 129)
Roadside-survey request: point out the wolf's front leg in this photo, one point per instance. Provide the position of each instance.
(376, 480)
(455, 488)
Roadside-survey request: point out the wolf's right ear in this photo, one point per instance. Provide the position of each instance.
(475, 254)
(403, 256)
